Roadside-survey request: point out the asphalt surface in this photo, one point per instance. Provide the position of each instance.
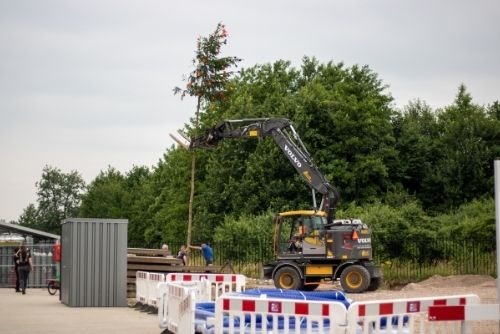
(39, 312)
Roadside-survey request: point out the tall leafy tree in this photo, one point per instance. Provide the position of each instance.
(345, 116)
(105, 196)
(471, 140)
(114, 195)
(58, 197)
(419, 150)
(207, 83)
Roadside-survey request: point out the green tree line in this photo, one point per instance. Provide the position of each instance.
(408, 173)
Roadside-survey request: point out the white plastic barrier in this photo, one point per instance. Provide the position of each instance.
(153, 293)
(176, 311)
(199, 287)
(244, 314)
(141, 287)
(222, 282)
(402, 315)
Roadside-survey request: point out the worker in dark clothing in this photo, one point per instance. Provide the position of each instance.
(182, 255)
(15, 258)
(24, 267)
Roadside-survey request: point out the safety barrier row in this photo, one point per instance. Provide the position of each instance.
(237, 313)
(147, 285)
(221, 282)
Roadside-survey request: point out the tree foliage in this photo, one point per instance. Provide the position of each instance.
(212, 72)
(58, 197)
(114, 195)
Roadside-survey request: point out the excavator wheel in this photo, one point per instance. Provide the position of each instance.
(355, 279)
(287, 278)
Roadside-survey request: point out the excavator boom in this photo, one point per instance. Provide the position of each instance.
(285, 136)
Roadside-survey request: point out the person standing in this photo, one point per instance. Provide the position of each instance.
(182, 255)
(15, 258)
(57, 258)
(207, 252)
(24, 267)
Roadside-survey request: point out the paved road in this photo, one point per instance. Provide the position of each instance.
(39, 312)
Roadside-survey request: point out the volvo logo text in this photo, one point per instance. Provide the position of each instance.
(292, 156)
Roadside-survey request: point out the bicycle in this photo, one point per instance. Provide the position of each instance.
(53, 285)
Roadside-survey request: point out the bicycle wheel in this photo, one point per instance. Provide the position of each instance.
(52, 288)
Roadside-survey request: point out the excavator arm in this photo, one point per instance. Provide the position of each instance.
(285, 136)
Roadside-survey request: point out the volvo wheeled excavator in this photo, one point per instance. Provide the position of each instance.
(310, 246)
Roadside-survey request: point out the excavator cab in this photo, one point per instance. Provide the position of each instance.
(300, 234)
(306, 234)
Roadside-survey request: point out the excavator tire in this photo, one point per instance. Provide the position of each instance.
(287, 278)
(355, 279)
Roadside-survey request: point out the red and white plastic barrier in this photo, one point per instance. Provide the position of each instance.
(308, 316)
(141, 287)
(147, 285)
(222, 282)
(403, 315)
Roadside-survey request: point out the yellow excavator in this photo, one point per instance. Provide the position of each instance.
(310, 246)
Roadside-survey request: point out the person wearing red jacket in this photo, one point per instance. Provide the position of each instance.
(57, 258)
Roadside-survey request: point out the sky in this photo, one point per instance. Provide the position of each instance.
(85, 85)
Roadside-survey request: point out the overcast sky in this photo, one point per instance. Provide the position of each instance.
(88, 84)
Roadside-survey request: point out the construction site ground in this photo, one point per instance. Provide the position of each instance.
(39, 312)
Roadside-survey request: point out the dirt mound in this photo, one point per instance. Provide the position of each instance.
(438, 281)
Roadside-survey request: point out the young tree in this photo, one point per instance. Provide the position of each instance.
(58, 198)
(208, 83)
